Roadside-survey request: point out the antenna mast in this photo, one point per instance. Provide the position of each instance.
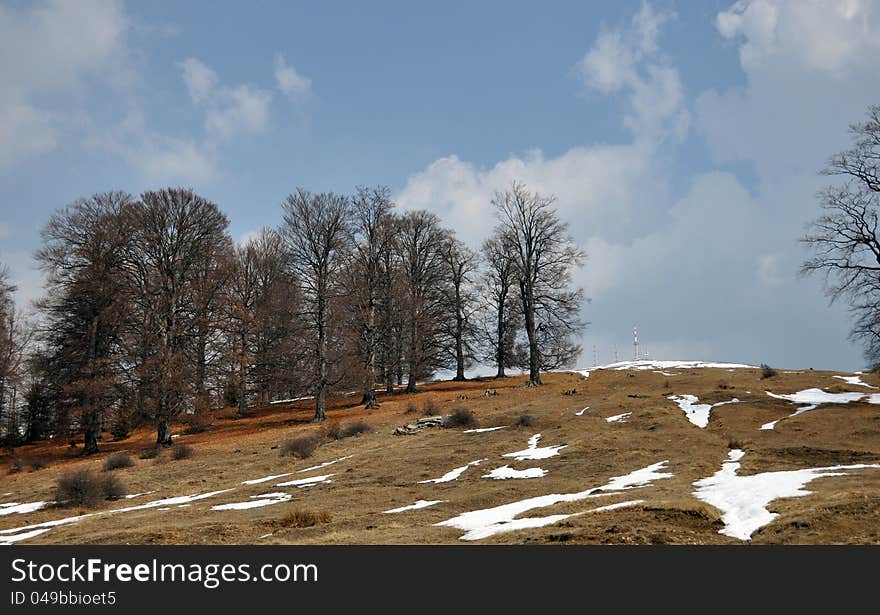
(635, 342)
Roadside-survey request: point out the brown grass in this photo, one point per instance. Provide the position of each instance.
(299, 518)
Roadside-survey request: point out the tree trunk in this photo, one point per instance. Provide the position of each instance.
(242, 380)
(534, 351)
(163, 431)
(412, 359)
(321, 393)
(90, 433)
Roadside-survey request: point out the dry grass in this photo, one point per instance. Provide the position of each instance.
(117, 461)
(299, 518)
(84, 488)
(301, 447)
(182, 451)
(384, 470)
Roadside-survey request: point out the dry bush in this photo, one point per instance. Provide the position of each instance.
(767, 371)
(84, 488)
(336, 431)
(117, 461)
(197, 423)
(430, 408)
(149, 453)
(16, 466)
(38, 464)
(301, 446)
(525, 420)
(411, 408)
(182, 451)
(303, 518)
(460, 417)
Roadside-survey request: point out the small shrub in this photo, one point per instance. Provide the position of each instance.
(149, 453)
(411, 408)
(301, 446)
(303, 518)
(430, 408)
(723, 386)
(767, 371)
(38, 464)
(735, 443)
(182, 451)
(197, 423)
(84, 488)
(460, 417)
(336, 431)
(665, 384)
(16, 466)
(524, 420)
(117, 461)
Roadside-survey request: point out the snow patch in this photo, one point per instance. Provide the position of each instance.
(810, 399)
(855, 380)
(14, 508)
(257, 501)
(619, 418)
(479, 524)
(484, 429)
(743, 500)
(696, 413)
(535, 453)
(325, 464)
(643, 365)
(505, 472)
(453, 474)
(307, 482)
(265, 479)
(419, 504)
(581, 413)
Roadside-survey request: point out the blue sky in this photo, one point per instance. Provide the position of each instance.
(682, 139)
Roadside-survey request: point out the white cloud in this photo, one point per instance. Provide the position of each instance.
(628, 59)
(243, 110)
(49, 51)
(293, 85)
(200, 79)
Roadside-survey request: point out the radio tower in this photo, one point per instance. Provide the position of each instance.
(635, 343)
(595, 356)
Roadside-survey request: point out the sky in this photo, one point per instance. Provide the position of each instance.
(682, 140)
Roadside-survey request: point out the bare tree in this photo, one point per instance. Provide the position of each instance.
(420, 239)
(374, 234)
(844, 241)
(316, 230)
(459, 303)
(173, 229)
(85, 302)
(15, 337)
(243, 294)
(503, 318)
(544, 256)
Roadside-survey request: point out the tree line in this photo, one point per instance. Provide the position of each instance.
(151, 312)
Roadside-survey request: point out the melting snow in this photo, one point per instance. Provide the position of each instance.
(265, 479)
(20, 509)
(743, 500)
(664, 365)
(484, 429)
(505, 472)
(581, 413)
(256, 501)
(453, 474)
(855, 380)
(307, 482)
(487, 522)
(8, 540)
(810, 399)
(626, 504)
(533, 452)
(416, 506)
(325, 464)
(698, 414)
(619, 418)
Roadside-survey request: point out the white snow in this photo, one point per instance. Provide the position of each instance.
(505, 472)
(665, 365)
(13, 508)
(487, 522)
(137, 495)
(484, 429)
(419, 504)
(307, 482)
(325, 464)
(534, 453)
(743, 500)
(583, 372)
(453, 474)
(8, 540)
(698, 414)
(257, 501)
(46, 525)
(581, 412)
(855, 380)
(619, 418)
(626, 504)
(810, 399)
(287, 401)
(265, 479)
(769, 426)
(662, 373)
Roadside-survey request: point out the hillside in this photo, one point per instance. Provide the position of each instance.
(636, 453)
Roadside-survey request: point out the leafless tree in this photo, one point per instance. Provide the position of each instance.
(460, 303)
(374, 234)
(316, 231)
(419, 244)
(502, 305)
(544, 256)
(173, 229)
(844, 241)
(85, 302)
